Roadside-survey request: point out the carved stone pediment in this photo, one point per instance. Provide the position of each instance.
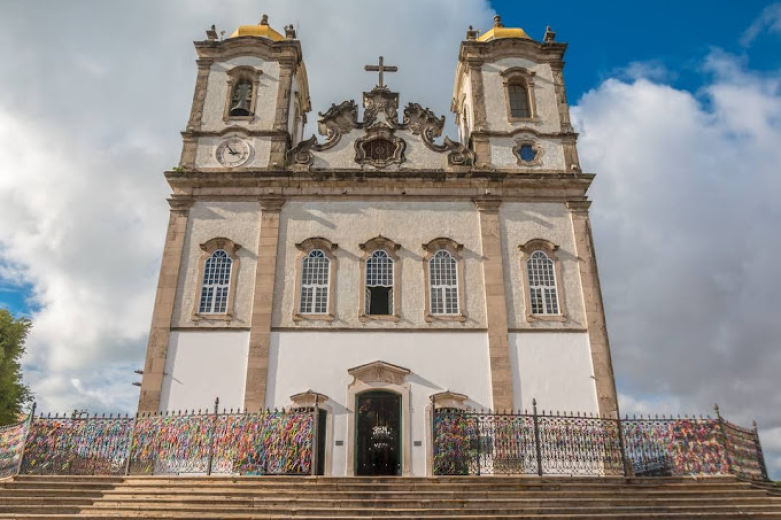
(379, 372)
(380, 147)
(308, 399)
(381, 104)
(448, 399)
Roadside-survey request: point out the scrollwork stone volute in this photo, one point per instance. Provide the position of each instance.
(337, 120)
(422, 121)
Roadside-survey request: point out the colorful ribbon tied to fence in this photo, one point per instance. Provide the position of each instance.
(11, 447)
(77, 446)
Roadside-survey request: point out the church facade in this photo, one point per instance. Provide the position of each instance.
(380, 269)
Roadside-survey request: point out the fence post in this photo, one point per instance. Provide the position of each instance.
(760, 453)
(622, 445)
(432, 431)
(210, 459)
(26, 434)
(723, 435)
(477, 437)
(315, 420)
(537, 445)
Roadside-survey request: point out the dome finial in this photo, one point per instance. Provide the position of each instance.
(498, 21)
(264, 20)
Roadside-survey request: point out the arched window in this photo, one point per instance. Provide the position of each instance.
(443, 283)
(379, 284)
(315, 275)
(216, 283)
(541, 275)
(519, 101)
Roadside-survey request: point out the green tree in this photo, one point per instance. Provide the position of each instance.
(13, 392)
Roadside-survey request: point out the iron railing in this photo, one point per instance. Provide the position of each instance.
(270, 442)
(547, 443)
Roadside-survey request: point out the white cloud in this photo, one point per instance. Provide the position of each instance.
(768, 20)
(89, 120)
(686, 226)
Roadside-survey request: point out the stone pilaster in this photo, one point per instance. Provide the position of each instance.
(595, 313)
(282, 114)
(199, 96)
(159, 334)
(557, 67)
(496, 303)
(480, 143)
(263, 304)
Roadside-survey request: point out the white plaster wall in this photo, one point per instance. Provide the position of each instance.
(502, 155)
(349, 223)
(524, 221)
(260, 150)
(217, 91)
(496, 96)
(202, 366)
(238, 221)
(319, 361)
(555, 368)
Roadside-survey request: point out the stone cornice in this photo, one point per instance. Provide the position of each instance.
(473, 51)
(235, 129)
(281, 51)
(343, 184)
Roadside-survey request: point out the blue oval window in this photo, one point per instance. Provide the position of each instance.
(527, 153)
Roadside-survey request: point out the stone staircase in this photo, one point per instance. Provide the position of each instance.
(322, 498)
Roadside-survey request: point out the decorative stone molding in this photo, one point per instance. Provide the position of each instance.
(207, 249)
(308, 399)
(380, 148)
(236, 74)
(335, 122)
(269, 203)
(454, 248)
(549, 248)
(450, 400)
(389, 246)
(328, 248)
(180, 205)
(379, 372)
(535, 145)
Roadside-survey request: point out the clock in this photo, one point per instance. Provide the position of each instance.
(232, 152)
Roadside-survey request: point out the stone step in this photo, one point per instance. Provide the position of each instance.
(688, 515)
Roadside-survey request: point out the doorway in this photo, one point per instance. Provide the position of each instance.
(378, 434)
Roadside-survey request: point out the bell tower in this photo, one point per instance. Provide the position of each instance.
(251, 99)
(510, 102)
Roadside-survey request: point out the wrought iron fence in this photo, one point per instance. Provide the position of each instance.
(472, 442)
(271, 442)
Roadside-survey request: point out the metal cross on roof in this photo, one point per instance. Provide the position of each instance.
(381, 67)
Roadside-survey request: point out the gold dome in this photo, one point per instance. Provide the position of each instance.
(499, 32)
(262, 30)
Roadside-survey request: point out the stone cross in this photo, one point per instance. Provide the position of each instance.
(381, 67)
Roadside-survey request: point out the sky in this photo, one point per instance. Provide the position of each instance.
(678, 106)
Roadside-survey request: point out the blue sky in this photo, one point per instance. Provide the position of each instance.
(606, 36)
(678, 106)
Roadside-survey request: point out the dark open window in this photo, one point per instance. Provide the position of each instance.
(241, 98)
(379, 284)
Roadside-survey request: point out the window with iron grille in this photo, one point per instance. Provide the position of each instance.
(315, 271)
(379, 284)
(542, 284)
(443, 283)
(216, 283)
(519, 101)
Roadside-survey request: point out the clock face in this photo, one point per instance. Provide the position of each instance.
(232, 152)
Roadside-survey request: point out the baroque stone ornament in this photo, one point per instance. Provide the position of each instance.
(422, 121)
(379, 148)
(336, 121)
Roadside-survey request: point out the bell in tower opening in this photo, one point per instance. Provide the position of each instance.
(241, 98)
